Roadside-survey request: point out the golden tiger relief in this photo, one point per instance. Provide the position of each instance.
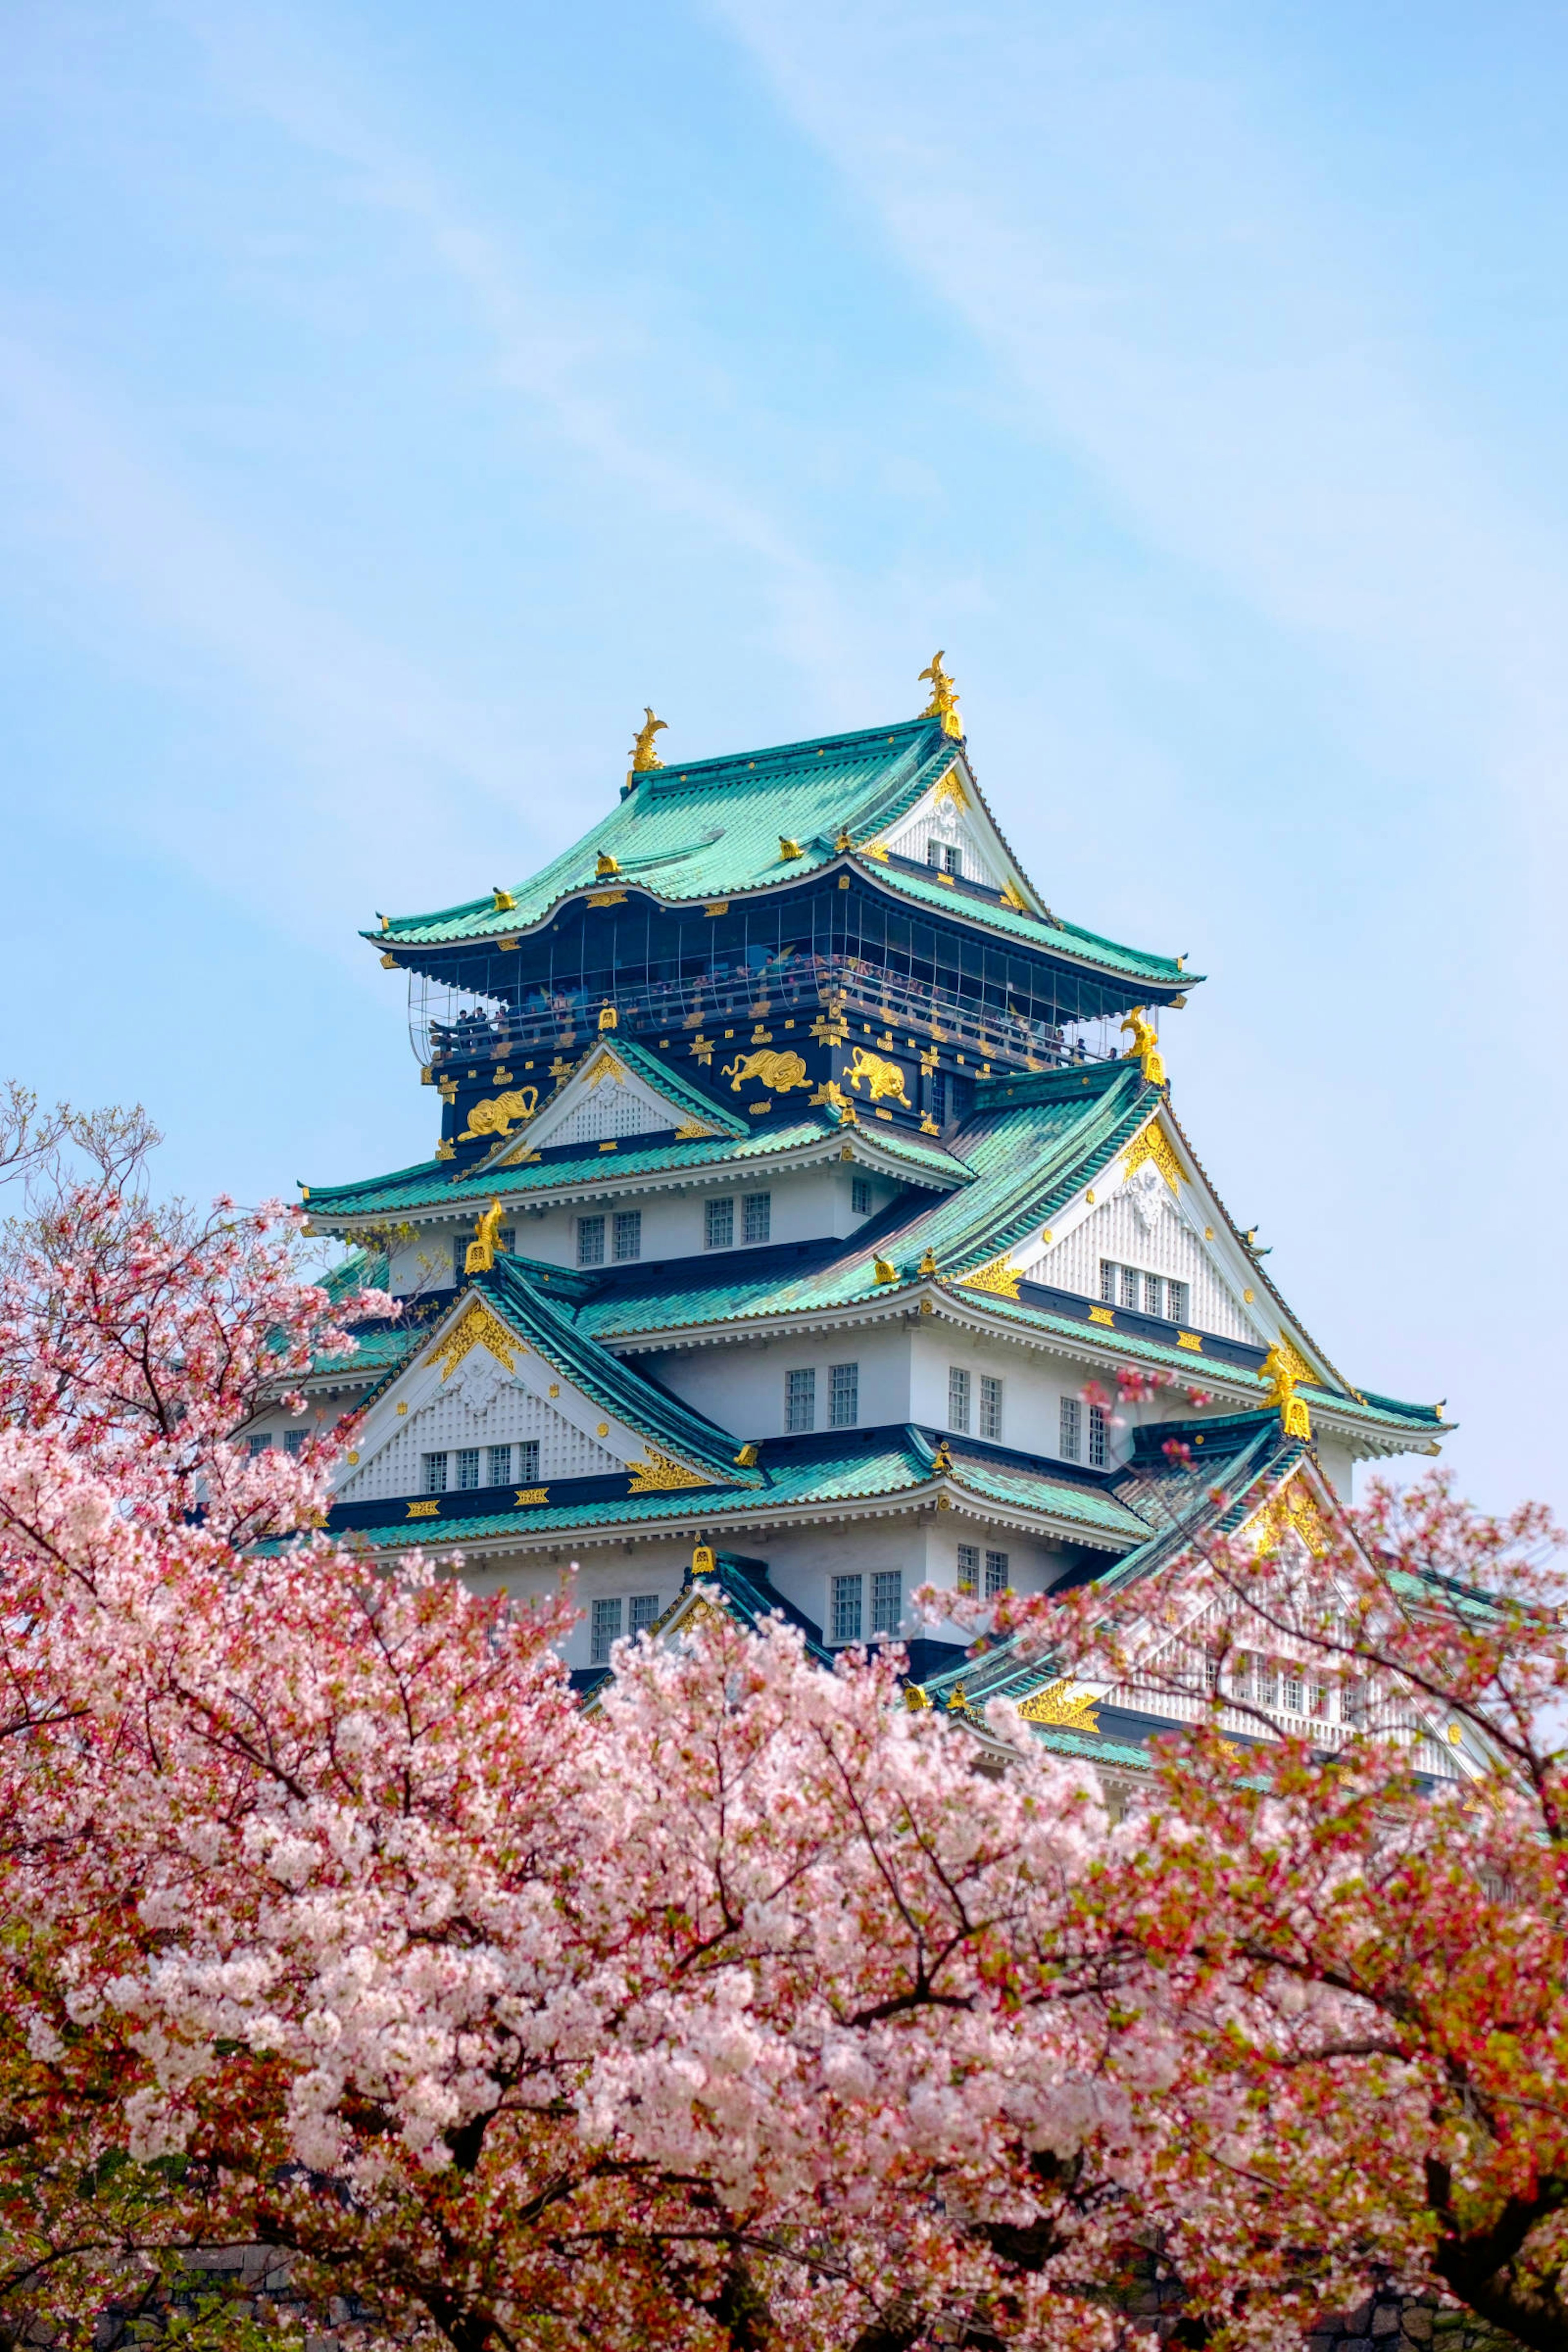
(496, 1114)
(884, 1078)
(777, 1072)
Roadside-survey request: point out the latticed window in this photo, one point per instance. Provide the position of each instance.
(995, 1574)
(261, 1444)
(952, 857)
(939, 1096)
(1295, 1692)
(293, 1441)
(643, 1611)
(528, 1462)
(991, 1408)
(968, 1568)
(933, 854)
(887, 1600)
(846, 1604)
(606, 1631)
(1108, 1280)
(860, 1196)
(468, 1466)
(628, 1234)
(1130, 1287)
(1071, 1436)
(800, 1401)
(1177, 1301)
(499, 1466)
(1154, 1295)
(435, 1468)
(1097, 1437)
(718, 1224)
(843, 1395)
(590, 1241)
(957, 1397)
(757, 1216)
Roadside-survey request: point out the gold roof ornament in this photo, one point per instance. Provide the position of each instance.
(747, 1457)
(702, 1561)
(607, 864)
(944, 703)
(481, 1251)
(928, 1263)
(843, 843)
(1294, 1418)
(956, 1701)
(884, 1269)
(644, 757)
(503, 898)
(1145, 1046)
(943, 1458)
(788, 848)
(608, 1017)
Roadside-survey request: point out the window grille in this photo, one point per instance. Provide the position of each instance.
(953, 858)
(293, 1439)
(758, 1217)
(860, 1196)
(939, 1096)
(1071, 1446)
(1130, 1287)
(957, 1397)
(800, 1401)
(886, 1599)
(1097, 1437)
(718, 1224)
(499, 1466)
(1154, 1295)
(1268, 1682)
(1176, 1306)
(258, 1445)
(468, 1466)
(995, 1574)
(628, 1234)
(606, 1631)
(843, 1395)
(847, 1608)
(934, 854)
(590, 1241)
(528, 1462)
(1108, 1281)
(435, 1469)
(968, 1568)
(1295, 1693)
(644, 1611)
(991, 1408)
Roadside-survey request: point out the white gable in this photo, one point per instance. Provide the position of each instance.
(1142, 1226)
(476, 1383)
(603, 1099)
(951, 816)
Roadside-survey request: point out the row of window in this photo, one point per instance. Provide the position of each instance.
(843, 1397)
(996, 1578)
(961, 1389)
(846, 1609)
(945, 857)
(1143, 1294)
(625, 1236)
(615, 1237)
(1268, 1682)
(496, 1461)
(606, 1626)
(293, 1439)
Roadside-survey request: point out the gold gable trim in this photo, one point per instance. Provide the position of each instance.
(475, 1328)
(1294, 1511)
(662, 1474)
(1155, 1144)
(998, 1276)
(1058, 1704)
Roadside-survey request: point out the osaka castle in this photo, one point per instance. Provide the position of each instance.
(800, 1183)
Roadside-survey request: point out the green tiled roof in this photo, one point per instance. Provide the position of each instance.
(430, 1184)
(711, 829)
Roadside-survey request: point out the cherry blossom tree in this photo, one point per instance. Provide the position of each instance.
(740, 2011)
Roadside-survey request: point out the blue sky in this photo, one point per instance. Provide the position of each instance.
(394, 400)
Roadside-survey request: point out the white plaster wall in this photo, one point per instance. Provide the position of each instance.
(497, 1412)
(1140, 1226)
(1337, 1466)
(802, 1561)
(1033, 1387)
(808, 1205)
(741, 1385)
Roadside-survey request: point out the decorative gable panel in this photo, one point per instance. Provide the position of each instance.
(482, 1406)
(606, 1099)
(1142, 1225)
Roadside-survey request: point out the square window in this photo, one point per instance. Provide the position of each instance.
(1108, 1281)
(1097, 1437)
(843, 1395)
(957, 1397)
(886, 1599)
(991, 1408)
(1071, 1446)
(261, 1444)
(435, 1469)
(757, 1216)
(968, 1568)
(847, 1608)
(1176, 1301)
(293, 1439)
(590, 1241)
(800, 1401)
(499, 1466)
(860, 1196)
(606, 1622)
(468, 1466)
(1154, 1295)
(995, 1574)
(1131, 1287)
(528, 1462)
(644, 1611)
(628, 1234)
(718, 1224)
